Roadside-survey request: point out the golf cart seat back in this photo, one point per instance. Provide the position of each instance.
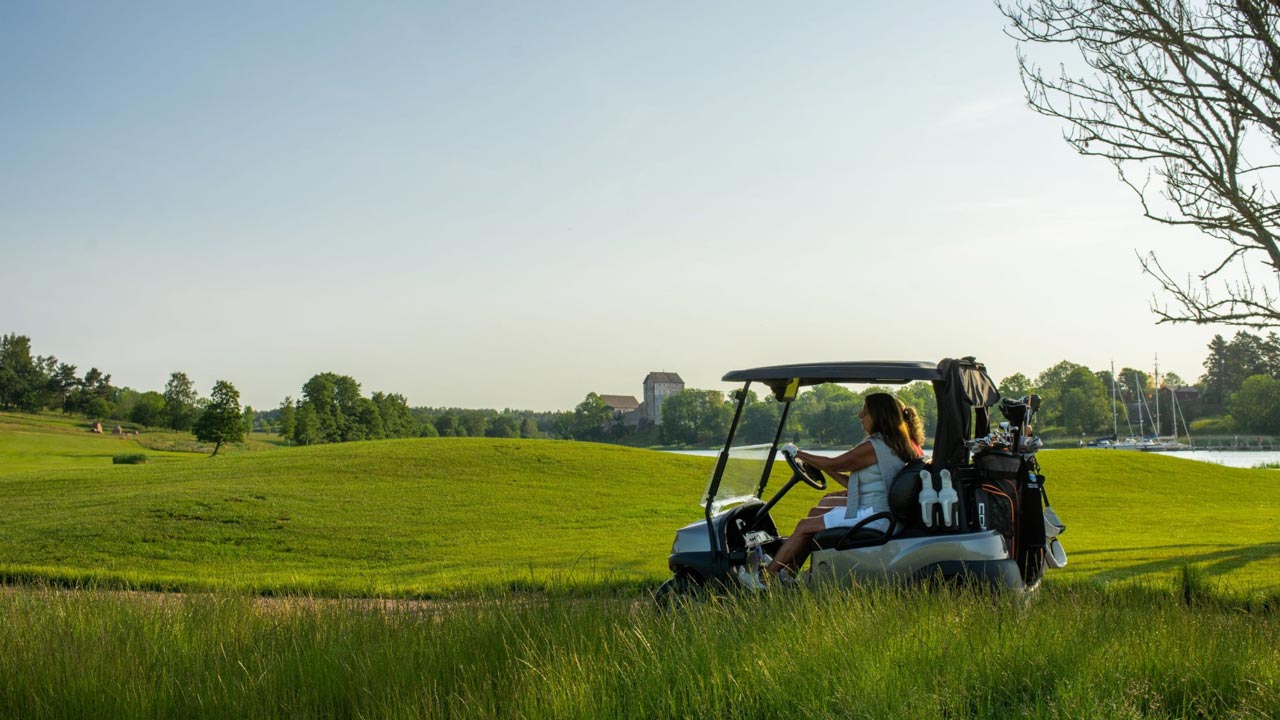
(904, 510)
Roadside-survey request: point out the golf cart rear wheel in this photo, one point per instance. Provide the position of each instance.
(682, 587)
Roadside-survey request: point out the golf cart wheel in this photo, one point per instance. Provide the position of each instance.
(681, 587)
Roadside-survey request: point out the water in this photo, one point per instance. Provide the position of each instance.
(1229, 458)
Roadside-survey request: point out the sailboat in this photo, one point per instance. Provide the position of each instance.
(1154, 442)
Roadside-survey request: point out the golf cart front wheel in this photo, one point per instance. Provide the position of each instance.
(681, 587)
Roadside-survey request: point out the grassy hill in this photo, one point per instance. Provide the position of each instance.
(471, 516)
(438, 516)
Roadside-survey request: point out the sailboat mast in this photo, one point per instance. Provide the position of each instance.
(1159, 429)
(1141, 401)
(1115, 420)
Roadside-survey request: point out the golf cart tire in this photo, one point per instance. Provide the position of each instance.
(681, 587)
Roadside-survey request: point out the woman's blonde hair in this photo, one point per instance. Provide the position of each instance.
(888, 420)
(915, 424)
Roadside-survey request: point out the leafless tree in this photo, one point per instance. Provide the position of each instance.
(1182, 97)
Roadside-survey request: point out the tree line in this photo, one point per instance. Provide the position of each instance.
(1239, 392)
(825, 415)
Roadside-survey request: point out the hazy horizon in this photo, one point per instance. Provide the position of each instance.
(512, 205)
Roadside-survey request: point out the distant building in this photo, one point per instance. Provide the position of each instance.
(621, 404)
(659, 386)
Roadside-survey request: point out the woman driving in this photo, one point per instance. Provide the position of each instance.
(894, 437)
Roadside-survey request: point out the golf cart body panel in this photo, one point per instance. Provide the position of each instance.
(737, 533)
(912, 558)
(693, 552)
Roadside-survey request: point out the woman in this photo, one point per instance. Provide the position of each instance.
(894, 435)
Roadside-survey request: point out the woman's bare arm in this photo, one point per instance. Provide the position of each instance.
(862, 455)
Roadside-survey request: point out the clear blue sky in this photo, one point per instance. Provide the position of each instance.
(512, 204)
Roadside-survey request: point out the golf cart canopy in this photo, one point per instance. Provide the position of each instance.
(894, 372)
(963, 390)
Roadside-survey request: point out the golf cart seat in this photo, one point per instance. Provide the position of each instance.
(904, 493)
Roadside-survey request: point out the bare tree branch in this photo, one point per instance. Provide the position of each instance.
(1188, 90)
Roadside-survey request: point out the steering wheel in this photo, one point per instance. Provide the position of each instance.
(811, 475)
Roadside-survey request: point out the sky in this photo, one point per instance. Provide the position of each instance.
(512, 204)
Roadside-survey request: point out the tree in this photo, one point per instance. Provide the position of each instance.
(22, 384)
(828, 414)
(1215, 370)
(1256, 406)
(93, 395)
(247, 416)
(1016, 386)
(148, 409)
(529, 428)
(1086, 403)
(288, 415)
(179, 401)
(503, 426)
(1187, 94)
(695, 417)
(1134, 382)
(588, 421)
(221, 422)
(446, 425)
(759, 421)
(306, 426)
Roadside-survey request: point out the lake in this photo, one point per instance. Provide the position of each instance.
(1229, 458)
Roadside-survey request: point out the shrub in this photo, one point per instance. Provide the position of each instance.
(1224, 425)
(129, 459)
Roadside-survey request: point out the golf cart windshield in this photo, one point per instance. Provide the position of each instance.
(742, 476)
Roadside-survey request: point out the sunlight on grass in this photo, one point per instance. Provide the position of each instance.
(874, 653)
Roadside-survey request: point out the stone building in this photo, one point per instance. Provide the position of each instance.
(658, 386)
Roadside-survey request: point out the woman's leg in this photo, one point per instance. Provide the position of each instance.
(795, 549)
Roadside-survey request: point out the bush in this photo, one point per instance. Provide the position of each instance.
(1223, 425)
(129, 459)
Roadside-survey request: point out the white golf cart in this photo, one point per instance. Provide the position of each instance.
(983, 516)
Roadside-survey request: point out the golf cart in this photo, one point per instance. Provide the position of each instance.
(975, 511)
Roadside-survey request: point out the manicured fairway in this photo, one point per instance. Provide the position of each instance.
(1134, 515)
(443, 516)
(38, 442)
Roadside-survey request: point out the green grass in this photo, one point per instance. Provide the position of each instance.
(877, 653)
(1133, 515)
(407, 517)
(1168, 608)
(446, 516)
(53, 441)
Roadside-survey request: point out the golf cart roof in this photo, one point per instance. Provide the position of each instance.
(890, 372)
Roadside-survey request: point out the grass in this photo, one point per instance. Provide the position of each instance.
(1132, 515)
(881, 653)
(450, 516)
(1168, 608)
(51, 441)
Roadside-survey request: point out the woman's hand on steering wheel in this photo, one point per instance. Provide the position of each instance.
(811, 475)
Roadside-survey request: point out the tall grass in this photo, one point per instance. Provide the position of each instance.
(884, 653)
